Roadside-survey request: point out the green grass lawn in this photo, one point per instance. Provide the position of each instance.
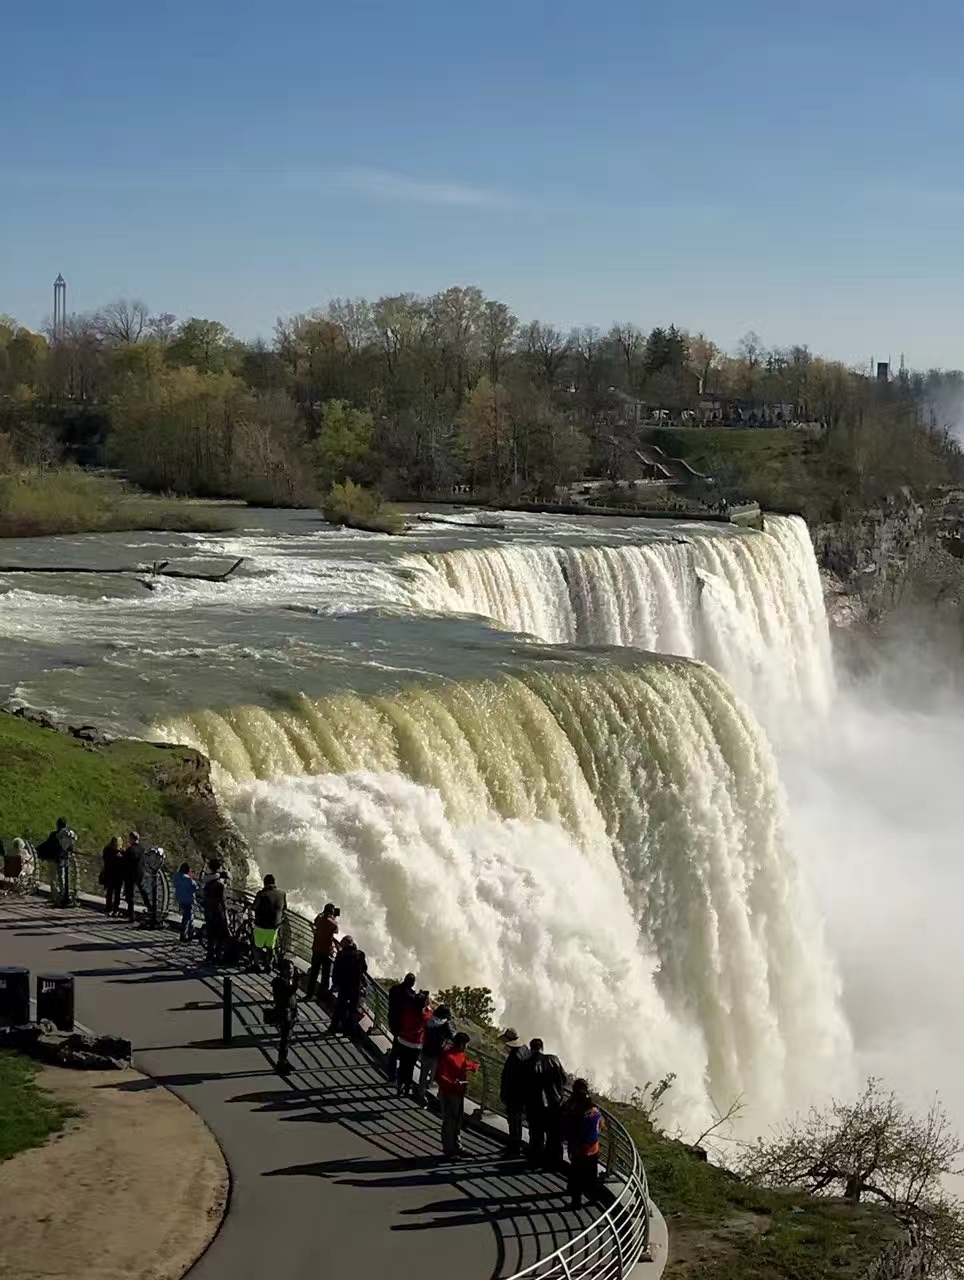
(104, 791)
(28, 1116)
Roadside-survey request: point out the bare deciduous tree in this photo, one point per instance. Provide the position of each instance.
(499, 326)
(123, 320)
(547, 349)
(162, 326)
(874, 1147)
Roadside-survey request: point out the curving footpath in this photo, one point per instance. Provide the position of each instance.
(330, 1172)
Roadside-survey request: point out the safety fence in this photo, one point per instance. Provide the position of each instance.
(614, 1242)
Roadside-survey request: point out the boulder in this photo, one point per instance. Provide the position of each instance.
(90, 733)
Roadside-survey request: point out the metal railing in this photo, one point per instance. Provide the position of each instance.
(611, 1246)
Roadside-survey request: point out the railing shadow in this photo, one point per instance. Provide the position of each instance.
(334, 1081)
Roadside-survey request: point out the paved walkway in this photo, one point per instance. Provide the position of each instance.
(302, 1150)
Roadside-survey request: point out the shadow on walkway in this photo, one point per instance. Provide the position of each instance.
(333, 1081)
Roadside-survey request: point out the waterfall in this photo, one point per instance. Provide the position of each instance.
(749, 603)
(601, 845)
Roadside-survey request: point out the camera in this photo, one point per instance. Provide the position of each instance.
(337, 912)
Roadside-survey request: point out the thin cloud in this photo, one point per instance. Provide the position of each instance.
(380, 184)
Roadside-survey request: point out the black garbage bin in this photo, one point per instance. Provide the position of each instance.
(55, 999)
(14, 995)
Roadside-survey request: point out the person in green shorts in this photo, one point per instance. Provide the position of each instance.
(269, 909)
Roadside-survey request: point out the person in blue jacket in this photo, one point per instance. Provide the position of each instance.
(185, 891)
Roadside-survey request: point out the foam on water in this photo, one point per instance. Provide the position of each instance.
(653, 784)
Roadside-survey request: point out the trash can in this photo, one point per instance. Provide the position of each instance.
(14, 995)
(55, 999)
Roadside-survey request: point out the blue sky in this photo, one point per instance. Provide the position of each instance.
(792, 169)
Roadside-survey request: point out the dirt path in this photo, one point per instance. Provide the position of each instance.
(133, 1190)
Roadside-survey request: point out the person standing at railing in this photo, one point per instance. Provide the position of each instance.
(583, 1124)
(322, 952)
(512, 1089)
(112, 875)
(215, 907)
(284, 992)
(452, 1075)
(56, 849)
(348, 975)
(133, 870)
(398, 997)
(439, 1032)
(185, 891)
(545, 1083)
(411, 1036)
(268, 911)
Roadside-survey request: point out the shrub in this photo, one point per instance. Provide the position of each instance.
(471, 1004)
(351, 505)
(69, 500)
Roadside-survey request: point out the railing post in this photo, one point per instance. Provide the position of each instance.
(619, 1249)
(227, 1009)
(483, 1067)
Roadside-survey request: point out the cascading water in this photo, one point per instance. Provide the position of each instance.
(750, 604)
(603, 847)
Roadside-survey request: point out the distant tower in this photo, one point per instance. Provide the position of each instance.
(60, 306)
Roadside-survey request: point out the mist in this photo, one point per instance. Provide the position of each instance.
(877, 815)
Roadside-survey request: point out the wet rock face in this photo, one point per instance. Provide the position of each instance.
(186, 779)
(901, 1259)
(893, 556)
(871, 555)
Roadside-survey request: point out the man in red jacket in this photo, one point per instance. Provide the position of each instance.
(452, 1076)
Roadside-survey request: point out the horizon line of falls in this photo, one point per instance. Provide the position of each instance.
(602, 846)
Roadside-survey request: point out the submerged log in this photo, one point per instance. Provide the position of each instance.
(159, 569)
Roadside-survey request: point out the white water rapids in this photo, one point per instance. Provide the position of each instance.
(751, 605)
(603, 847)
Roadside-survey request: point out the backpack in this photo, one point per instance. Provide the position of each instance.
(49, 849)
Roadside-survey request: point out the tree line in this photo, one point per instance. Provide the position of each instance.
(419, 396)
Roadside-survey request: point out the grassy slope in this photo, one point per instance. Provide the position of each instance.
(27, 1115)
(724, 1229)
(70, 500)
(102, 791)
